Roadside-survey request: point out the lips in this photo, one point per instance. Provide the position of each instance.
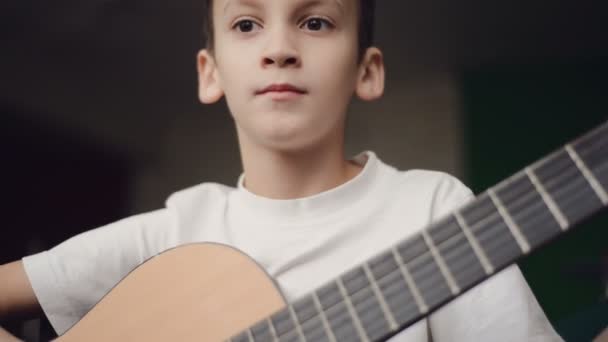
(281, 88)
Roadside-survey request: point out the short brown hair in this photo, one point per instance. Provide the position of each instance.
(366, 25)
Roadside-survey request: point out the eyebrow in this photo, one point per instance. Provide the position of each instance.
(247, 3)
(312, 3)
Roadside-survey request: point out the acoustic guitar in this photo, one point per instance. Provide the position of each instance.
(232, 298)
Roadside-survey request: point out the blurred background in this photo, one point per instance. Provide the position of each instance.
(99, 117)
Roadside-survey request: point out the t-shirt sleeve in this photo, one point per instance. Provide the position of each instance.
(503, 308)
(72, 277)
(449, 195)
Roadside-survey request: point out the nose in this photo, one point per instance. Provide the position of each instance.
(280, 51)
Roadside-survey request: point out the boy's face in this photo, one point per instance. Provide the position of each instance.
(288, 69)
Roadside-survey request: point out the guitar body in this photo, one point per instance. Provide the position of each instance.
(197, 292)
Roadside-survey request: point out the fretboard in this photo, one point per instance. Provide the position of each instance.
(404, 284)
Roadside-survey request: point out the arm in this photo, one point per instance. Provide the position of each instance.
(6, 337)
(17, 298)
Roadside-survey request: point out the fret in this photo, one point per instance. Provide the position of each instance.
(527, 209)
(366, 302)
(394, 288)
(314, 329)
(459, 248)
(411, 249)
(282, 322)
(458, 253)
(351, 310)
(491, 231)
(591, 149)
(530, 221)
(593, 182)
(355, 280)
(360, 290)
(294, 318)
(329, 322)
(441, 263)
(329, 335)
(481, 255)
(305, 309)
(310, 318)
(370, 314)
(383, 264)
(422, 273)
(567, 186)
(273, 332)
(341, 323)
(557, 213)
(388, 316)
(515, 231)
(392, 282)
(261, 331)
(329, 295)
(443, 230)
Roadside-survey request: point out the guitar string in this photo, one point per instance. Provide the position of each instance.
(418, 260)
(592, 141)
(473, 226)
(556, 180)
(520, 201)
(387, 275)
(527, 197)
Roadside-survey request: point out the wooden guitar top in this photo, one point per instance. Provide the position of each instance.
(197, 292)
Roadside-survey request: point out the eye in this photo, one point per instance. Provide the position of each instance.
(245, 25)
(316, 24)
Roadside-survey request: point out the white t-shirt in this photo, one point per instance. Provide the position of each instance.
(302, 244)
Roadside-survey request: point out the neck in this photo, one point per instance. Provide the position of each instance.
(295, 174)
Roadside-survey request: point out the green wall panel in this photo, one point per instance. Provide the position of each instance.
(514, 115)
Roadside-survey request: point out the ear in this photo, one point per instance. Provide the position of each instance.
(370, 80)
(209, 88)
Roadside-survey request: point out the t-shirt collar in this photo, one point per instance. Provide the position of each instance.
(321, 204)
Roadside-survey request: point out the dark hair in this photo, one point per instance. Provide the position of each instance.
(366, 24)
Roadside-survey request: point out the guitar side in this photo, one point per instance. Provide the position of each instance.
(196, 292)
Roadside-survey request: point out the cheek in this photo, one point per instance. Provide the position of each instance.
(232, 62)
(337, 62)
(231, 78)
(335, 80)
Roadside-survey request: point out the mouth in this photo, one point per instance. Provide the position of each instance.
(282, 91)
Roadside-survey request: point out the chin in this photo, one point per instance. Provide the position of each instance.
(290, 134)
(290, 145)
(300, 143)
(288, 141)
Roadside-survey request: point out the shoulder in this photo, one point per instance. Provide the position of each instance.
(198, 194)
(438, 187)
(438, 192)
(443, 186)
(432, 180)
(199, 204)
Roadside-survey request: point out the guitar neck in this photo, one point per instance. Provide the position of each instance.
(407, 282)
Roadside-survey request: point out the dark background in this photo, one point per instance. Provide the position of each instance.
(93, 95)
(534, 109)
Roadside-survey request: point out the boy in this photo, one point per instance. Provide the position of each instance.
(288, 70)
